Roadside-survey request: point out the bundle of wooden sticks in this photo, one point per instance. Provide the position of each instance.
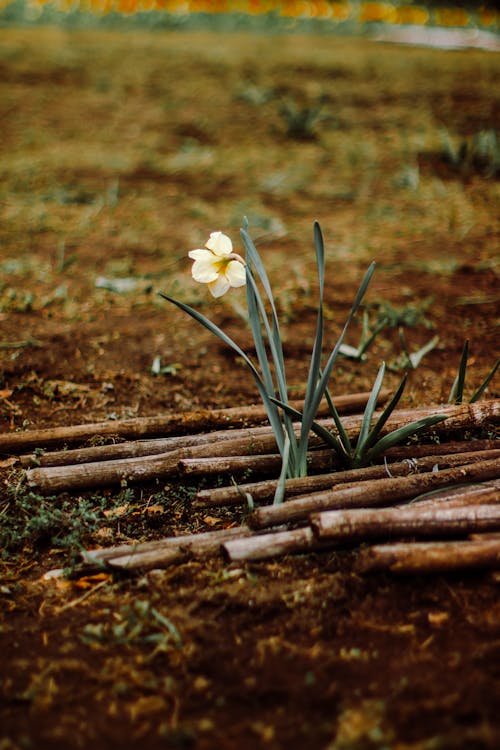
(439, 501)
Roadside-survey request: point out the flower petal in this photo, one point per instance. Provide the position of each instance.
(235, 273)
(219, 286)
(204, 270)
(199, 254)
(220, 244)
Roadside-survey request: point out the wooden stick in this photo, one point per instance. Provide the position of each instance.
(168, 424)
(483, 493)
(162, 552)
(430, 557)
(317, 460)
(277, 544)
(264, 491)
(385, 523)
(372, 493)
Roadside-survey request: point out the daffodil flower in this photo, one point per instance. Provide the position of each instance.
(217, 266)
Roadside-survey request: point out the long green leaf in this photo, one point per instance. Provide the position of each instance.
(323, 381)
(368, 413)
(257, 314)
(315, 363)
(401, 434)
(486, 382)
(457, 389)
(254, 259)
(343, 436)
(273, 336)
(279, 494)
(328, 437)
(271, 411)
(386, 413)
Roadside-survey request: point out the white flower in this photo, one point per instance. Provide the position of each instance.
(217, 266)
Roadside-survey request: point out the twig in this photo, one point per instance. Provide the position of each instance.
(276, 544)
(264, 491)
(386, 523)
(372, 493)
(163, 551)
(430, 557)
(169, 424)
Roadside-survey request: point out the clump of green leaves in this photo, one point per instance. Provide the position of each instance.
(301, 121)
(369, 444)
(479, 153)
(30, 518)
(139, 623)
(386, 317)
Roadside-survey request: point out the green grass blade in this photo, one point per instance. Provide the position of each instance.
(259, 342)
(257, 314)
(416, 357)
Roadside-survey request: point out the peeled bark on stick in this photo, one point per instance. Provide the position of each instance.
(372, 493)
(276, 544)
(264, 491)
(430, 557)
(168, 424)
(386, 523)
(170, 549)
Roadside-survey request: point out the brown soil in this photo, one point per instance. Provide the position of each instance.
(119, 154)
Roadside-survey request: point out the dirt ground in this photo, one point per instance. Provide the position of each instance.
(119, 154)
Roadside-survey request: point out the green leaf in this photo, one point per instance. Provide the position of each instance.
(315, 363)
(457, 389)
(486, 382)
(368, 414)
(279, 494)
(328, 437)
(401, 434)
(323, 381)
(269, 406)
(416, 357)
(386, 413)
